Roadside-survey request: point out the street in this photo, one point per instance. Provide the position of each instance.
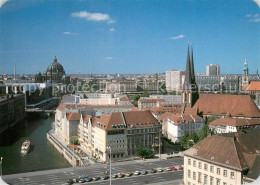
(60, 176)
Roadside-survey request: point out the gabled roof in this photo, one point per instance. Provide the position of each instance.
(223, 104)
(253, 86)
(239, 151)
(235, 122)
(183, 118)
(219, 149)
(73, 116)
(124, 120)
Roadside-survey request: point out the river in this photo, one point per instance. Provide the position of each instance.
(42, 154)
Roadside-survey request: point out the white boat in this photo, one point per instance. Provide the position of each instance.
(25, 147)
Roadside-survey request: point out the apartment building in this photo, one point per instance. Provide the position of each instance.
(226, 125)
(145, 102)
(228, 159)
(175, 125)
(121, 131)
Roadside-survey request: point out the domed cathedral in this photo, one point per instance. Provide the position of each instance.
(55, 72)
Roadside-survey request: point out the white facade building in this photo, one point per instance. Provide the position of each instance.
(174, 80)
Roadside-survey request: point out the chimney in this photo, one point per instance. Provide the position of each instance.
(14, 71)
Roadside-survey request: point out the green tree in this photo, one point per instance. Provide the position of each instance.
(144, 152)
(145, 94)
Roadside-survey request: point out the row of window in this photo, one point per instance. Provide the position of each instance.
(211, 179)
(211, 168)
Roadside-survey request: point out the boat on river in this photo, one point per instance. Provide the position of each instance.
(25, 147)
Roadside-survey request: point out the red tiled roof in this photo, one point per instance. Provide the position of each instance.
(253, 86)
(163, 116)
(126, 119)
(233, 150)
(124, 98)
(73, 116)
(223, 104)
(236, 122)
(219, 149)
(183, 118)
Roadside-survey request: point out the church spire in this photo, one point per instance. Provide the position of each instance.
(55, 59)
(192, 66)
(188, 80)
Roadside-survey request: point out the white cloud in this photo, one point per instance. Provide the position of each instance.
(253, 17)
(69, 33)
(255, 20)
(93, 16)
(109, 58)
(177, 37)
(2, 2)
(257, 2)
(112, 29)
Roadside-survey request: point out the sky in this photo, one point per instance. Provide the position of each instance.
(128, 36)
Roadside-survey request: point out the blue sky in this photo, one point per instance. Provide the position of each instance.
(123, 36)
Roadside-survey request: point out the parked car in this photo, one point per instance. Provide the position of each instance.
(159, 169)
(89, 179)
(120, 175)
(172, 168)
(168, 169)
(137, 173)
(115, 175)
(180, 167)
(153, 171)
(105, 177)
(96, 178)
(144, 172)
(82, 180)
(82, 176)
(129, 174)
(69, 182)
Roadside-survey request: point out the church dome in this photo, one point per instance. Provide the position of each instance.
(55, 67)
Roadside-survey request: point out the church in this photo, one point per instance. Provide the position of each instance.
(223, 105)
(55, 73)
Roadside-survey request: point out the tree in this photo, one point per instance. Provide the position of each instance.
(145, 94)
(144, 152)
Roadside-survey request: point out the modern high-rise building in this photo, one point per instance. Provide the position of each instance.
(213, 70)
(174, 80)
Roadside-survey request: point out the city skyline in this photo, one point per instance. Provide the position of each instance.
(128, 36)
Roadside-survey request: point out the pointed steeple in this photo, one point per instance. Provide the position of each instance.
(188, 81)
(192, 66)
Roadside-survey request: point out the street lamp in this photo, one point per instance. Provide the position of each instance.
(73, 152)
(110, 168)
(160, 144)
(1, 159)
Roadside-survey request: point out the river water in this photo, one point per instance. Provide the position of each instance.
(42, 155)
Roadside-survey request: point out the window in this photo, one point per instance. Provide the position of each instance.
(225, 173)
(199, 165)
(218, 171)
(199, 177)
(189, 161)
(194, 175)
(211, 180)
(224, 183)
(194, 163)
(212, 169)
(188, 183)
(218, 181)
(189, 173)
(205, 179)
(205, 167)
(232, 175)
